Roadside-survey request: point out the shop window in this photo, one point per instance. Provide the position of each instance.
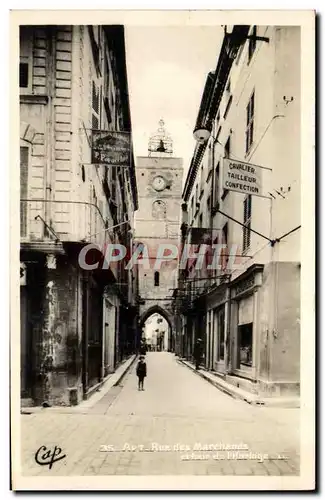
(245, 344)
(250, 110)
(247, 222)
(156, 278)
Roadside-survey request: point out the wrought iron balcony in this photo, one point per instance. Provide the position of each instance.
(66, 220)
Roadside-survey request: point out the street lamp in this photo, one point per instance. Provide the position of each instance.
(201, 134)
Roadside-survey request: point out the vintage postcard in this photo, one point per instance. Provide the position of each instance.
(162, 279)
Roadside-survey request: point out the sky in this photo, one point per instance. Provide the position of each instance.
(167, 68)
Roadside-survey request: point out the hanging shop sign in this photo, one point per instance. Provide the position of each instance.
(111, 148)
(242, 177)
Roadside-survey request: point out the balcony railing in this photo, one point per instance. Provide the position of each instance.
(70, 221)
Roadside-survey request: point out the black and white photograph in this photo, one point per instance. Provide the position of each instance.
(162, 183)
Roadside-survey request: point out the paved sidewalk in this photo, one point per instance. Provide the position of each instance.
(84, 406)
(166, 430)
(236, 392)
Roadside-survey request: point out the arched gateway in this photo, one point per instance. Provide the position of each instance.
(157, 223)
(166, 313)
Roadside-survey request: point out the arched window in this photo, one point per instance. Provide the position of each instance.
(159, 209)
(156, 278)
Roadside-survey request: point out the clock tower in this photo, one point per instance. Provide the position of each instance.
(157, 222)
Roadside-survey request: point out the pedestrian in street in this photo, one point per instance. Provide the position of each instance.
(143, 349)
(197, 354)
(141, 372)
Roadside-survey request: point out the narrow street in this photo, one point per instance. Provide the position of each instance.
(128, 432)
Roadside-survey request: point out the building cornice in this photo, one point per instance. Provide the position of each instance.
(209, 106)
(116, 39)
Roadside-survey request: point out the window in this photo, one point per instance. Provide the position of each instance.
(225, 234)
(94, 33)
(227, 148)
(156, 278)
(218, 134)
(228, 106)
(95, 120)
(252, 44)
(201, 220)
(210, 162)
(23, 75)
(202, 181)
(25, 59)
(216, 185)
(24, 152)
(245, 344)
(209, 204)
(106, 92)
(227, 155)
(247, 222)
(113, 183)
(159, 209)
(192, 209)
(196, 197)
(250, 122)
(224, 250)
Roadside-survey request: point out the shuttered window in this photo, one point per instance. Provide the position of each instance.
(25, 58)
(247, 222)
(95, 106)
(24, 151)
(250, 122)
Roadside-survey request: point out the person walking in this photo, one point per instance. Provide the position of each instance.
(197, 354)
(143, 348)
(141, 372)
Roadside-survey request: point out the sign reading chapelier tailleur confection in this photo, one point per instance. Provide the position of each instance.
(111, 147)
(242, 177)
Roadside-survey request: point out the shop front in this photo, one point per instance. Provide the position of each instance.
(244, 323)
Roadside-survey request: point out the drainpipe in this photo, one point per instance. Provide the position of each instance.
(50, 122)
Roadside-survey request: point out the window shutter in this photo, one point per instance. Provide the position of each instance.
(95, 106)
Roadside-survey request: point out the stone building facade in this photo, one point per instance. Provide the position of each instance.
(249, 308)
(157, 223)
(72, 81)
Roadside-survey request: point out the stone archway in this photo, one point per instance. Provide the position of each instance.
(156, 309)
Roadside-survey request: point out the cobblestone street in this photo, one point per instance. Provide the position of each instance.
(160, 431)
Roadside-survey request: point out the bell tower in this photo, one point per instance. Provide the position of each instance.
(157, 221)
(160, 143)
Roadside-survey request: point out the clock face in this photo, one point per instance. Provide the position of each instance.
(159, 183)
